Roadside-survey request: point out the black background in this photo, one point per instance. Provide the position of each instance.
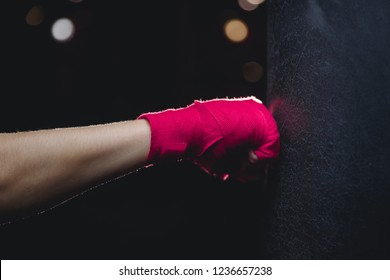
(126, 58)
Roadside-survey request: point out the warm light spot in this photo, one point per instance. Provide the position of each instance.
(255, 2)
(35, 16)
(246, 5)
(252, 71)
(62, 30)
(76, 1)
(236, 30)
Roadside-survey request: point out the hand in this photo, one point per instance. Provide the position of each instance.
(235, 137)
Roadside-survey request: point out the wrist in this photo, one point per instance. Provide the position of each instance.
(172, 131)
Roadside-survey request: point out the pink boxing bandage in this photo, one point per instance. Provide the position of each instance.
(208, 132)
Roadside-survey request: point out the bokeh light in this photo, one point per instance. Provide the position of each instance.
(236, 30)
(62, 30)
(255, 2)
(246, 5)
(249, 5)
(35, 16)
(252, 71)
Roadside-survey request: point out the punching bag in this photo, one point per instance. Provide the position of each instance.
(329, 90)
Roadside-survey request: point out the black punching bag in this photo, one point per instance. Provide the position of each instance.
(329, 90)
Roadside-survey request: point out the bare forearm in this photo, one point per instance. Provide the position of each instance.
(41, 167)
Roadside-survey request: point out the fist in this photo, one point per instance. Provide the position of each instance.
(236, 138)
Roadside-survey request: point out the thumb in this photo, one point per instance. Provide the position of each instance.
(267, 151)
(270, 148)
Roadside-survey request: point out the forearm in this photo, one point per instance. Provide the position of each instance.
(43, 166)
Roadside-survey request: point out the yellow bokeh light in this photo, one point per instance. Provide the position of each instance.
(252, 71)
(34, 16)
(236, 30)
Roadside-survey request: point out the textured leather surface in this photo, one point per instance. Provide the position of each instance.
(329, 89)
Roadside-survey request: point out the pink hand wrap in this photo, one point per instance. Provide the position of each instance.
(208, 132)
